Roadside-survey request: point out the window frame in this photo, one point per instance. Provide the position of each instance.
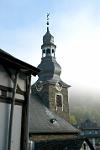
(58, 107)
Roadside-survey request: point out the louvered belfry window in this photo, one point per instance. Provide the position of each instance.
(59, 100)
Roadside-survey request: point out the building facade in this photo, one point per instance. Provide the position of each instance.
(15, 82)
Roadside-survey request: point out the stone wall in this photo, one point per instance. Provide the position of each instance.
(48, 94)
(62, 112)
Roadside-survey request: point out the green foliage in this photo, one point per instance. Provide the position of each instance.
(73, 119)
(82, 113)
(84, 105)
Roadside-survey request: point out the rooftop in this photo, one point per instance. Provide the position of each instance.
(43, 121)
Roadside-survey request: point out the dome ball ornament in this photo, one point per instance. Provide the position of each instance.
(48, 14)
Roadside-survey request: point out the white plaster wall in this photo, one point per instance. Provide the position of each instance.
(4, 125)
(4, 78)
(4, 119)
(21, 82)
(5, 113)
(6, 81)
(16, 130)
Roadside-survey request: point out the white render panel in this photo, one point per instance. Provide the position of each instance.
(21, 82)
(16, 130)
(4, 123)
(5, 80)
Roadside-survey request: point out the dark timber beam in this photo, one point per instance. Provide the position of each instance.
(89, 143)
(12, 111)
(25, 116)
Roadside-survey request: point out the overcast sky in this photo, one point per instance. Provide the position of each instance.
(75, 25)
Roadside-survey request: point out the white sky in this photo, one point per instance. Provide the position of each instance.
(75, 26)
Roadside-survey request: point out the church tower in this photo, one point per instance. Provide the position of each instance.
(49, 86)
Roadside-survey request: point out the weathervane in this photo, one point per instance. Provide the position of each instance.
(48, 14)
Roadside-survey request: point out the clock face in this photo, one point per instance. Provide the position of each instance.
(58, 86)
(39, 86)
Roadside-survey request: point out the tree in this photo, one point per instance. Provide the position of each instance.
(72, 119)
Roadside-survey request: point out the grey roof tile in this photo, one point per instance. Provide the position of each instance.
(42, 120)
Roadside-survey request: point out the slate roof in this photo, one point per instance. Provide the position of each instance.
(15, 63)
(48, 39)
(42, 120)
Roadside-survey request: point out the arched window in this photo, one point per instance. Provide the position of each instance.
(52, 50)
(59, 101)
(48, 51)
(43, 53)
(43, 50)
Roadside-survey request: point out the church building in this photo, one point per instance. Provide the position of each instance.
(49, 108)
(49, 86)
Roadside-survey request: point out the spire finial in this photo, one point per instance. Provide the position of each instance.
(48, 14)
